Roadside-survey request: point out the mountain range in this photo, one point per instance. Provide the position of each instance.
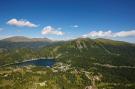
(26, 39)
(114, 60)
(104, 49)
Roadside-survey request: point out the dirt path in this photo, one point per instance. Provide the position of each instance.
(112, 66)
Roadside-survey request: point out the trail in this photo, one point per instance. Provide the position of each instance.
(112, 66)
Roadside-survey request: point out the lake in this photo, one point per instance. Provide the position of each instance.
(38, 62)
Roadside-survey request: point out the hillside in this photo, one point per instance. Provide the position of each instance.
(25, 42)
(97, 50)
(111, 61)
(26, 39)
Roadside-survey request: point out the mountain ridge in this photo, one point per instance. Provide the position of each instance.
(29, 39)
(26, 39)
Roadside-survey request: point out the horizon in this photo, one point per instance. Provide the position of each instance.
(68, 19)
(66, 39)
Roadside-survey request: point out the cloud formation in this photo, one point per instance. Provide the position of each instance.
(109, 33)
(51, 30)
(125, 33)
(21, 23)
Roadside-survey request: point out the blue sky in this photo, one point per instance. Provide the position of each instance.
(67, 19)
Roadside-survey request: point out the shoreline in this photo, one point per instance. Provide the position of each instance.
(33, 59)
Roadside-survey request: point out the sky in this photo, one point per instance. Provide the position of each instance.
(68, 19)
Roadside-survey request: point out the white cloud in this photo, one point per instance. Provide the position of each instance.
(125, 33)
(75, 26)
(51, 30)
(21, 23)
(109, 33)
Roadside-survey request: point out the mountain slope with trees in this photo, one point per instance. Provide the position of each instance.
(103, 63)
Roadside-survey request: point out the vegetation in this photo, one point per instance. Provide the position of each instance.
(84, 64)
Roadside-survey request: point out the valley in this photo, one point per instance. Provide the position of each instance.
(82, 63)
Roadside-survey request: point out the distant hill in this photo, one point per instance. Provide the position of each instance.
(25, 42)
(26, 39)
(112, 42)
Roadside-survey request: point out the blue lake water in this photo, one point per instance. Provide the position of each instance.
(38, 62)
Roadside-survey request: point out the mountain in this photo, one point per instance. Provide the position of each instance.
(112, 42)
(25, 42)
(102, 50)
(113, 61)
(41, 40)
(26, 39)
